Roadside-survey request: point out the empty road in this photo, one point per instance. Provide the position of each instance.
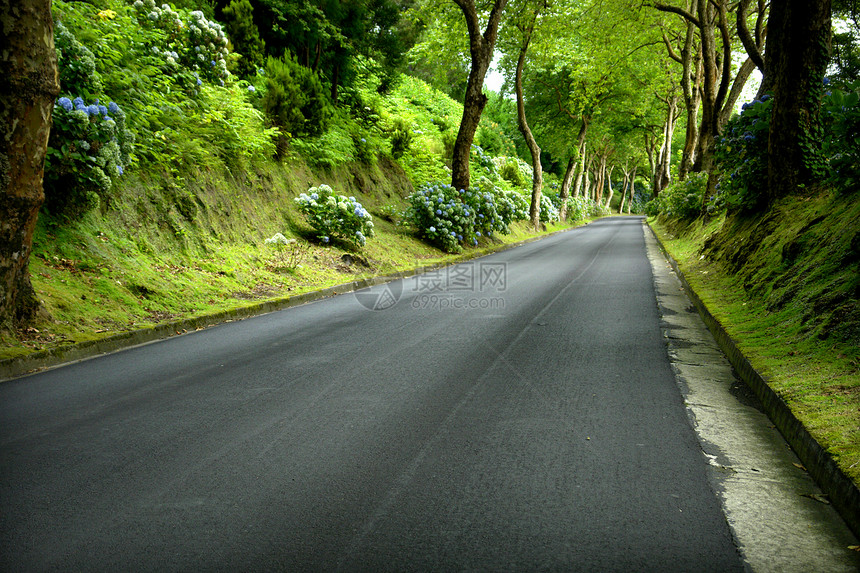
(514, 413)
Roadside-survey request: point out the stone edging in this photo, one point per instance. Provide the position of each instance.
(840, 489)
(54, 357)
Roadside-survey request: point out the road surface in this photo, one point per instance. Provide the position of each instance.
(514, 413)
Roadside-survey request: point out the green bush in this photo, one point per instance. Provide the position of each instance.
(841, 147)
(244, 37)
(293, 98)
(76, 63)
(441, 217)
(515, 171)
(741, 154)
(401, 138)
(681, 199)
(450, 218)
(548, 211)
(336, 215)
(193, 41)
(89, 148)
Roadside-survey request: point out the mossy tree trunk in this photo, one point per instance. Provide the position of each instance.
(796, 57)
(481, 46)
(28, 87)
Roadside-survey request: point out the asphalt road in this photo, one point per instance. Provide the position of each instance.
(514, 413)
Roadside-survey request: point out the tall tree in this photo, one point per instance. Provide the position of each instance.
(28, 87)
(719, 90)
(524, 22)
(481, 46)
(795, 61)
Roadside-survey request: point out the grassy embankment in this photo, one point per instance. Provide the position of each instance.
(171, 246)
(785, 286)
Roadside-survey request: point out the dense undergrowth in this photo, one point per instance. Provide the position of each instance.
(785, 285)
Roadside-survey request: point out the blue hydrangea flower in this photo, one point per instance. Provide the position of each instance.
(112, 107)
(432, 229)
(103, 110)
(93, 109)
(438, 211)
(119, 169)
(252, 89)
(65, 103)
(79, 104)
(325, 239)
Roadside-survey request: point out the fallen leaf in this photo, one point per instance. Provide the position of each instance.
(854, 547)
(800, 466)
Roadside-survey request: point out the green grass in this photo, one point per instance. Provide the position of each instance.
(785, 288)
(150, 258)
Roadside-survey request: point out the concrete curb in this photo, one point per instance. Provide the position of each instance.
(55, 357)
(840, 489)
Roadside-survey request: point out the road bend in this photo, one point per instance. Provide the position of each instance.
(513, 413)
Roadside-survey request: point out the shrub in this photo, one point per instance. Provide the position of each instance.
(841, 116)
(441, 217)
(293, 97)
(483, 163)
(548, 211)
(244, 36)
(195, 42)
(578, 208)
(234, 125)
(450, 218)
(741, 154)
(88, 150)
(681, 199)
(76, 63)
(401, 138)
(335, 215)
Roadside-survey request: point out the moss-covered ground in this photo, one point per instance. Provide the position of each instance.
(785, 286)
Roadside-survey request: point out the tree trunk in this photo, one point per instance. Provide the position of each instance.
(795, 62)
(691, 85)
(581, 172)
(522, 123)
(624, 187)
(481, 49)
(28, 87)
(609, 186)
(632, 190)
(663, 160)
(564, 194)
(600, 179)
(711, 17)
(580, 149)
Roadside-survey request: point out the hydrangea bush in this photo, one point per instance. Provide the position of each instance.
(89, 148)
(192, 41)
(441, 217)
(548, 211)
(741, 153)
(335, 215)
(450, 218)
